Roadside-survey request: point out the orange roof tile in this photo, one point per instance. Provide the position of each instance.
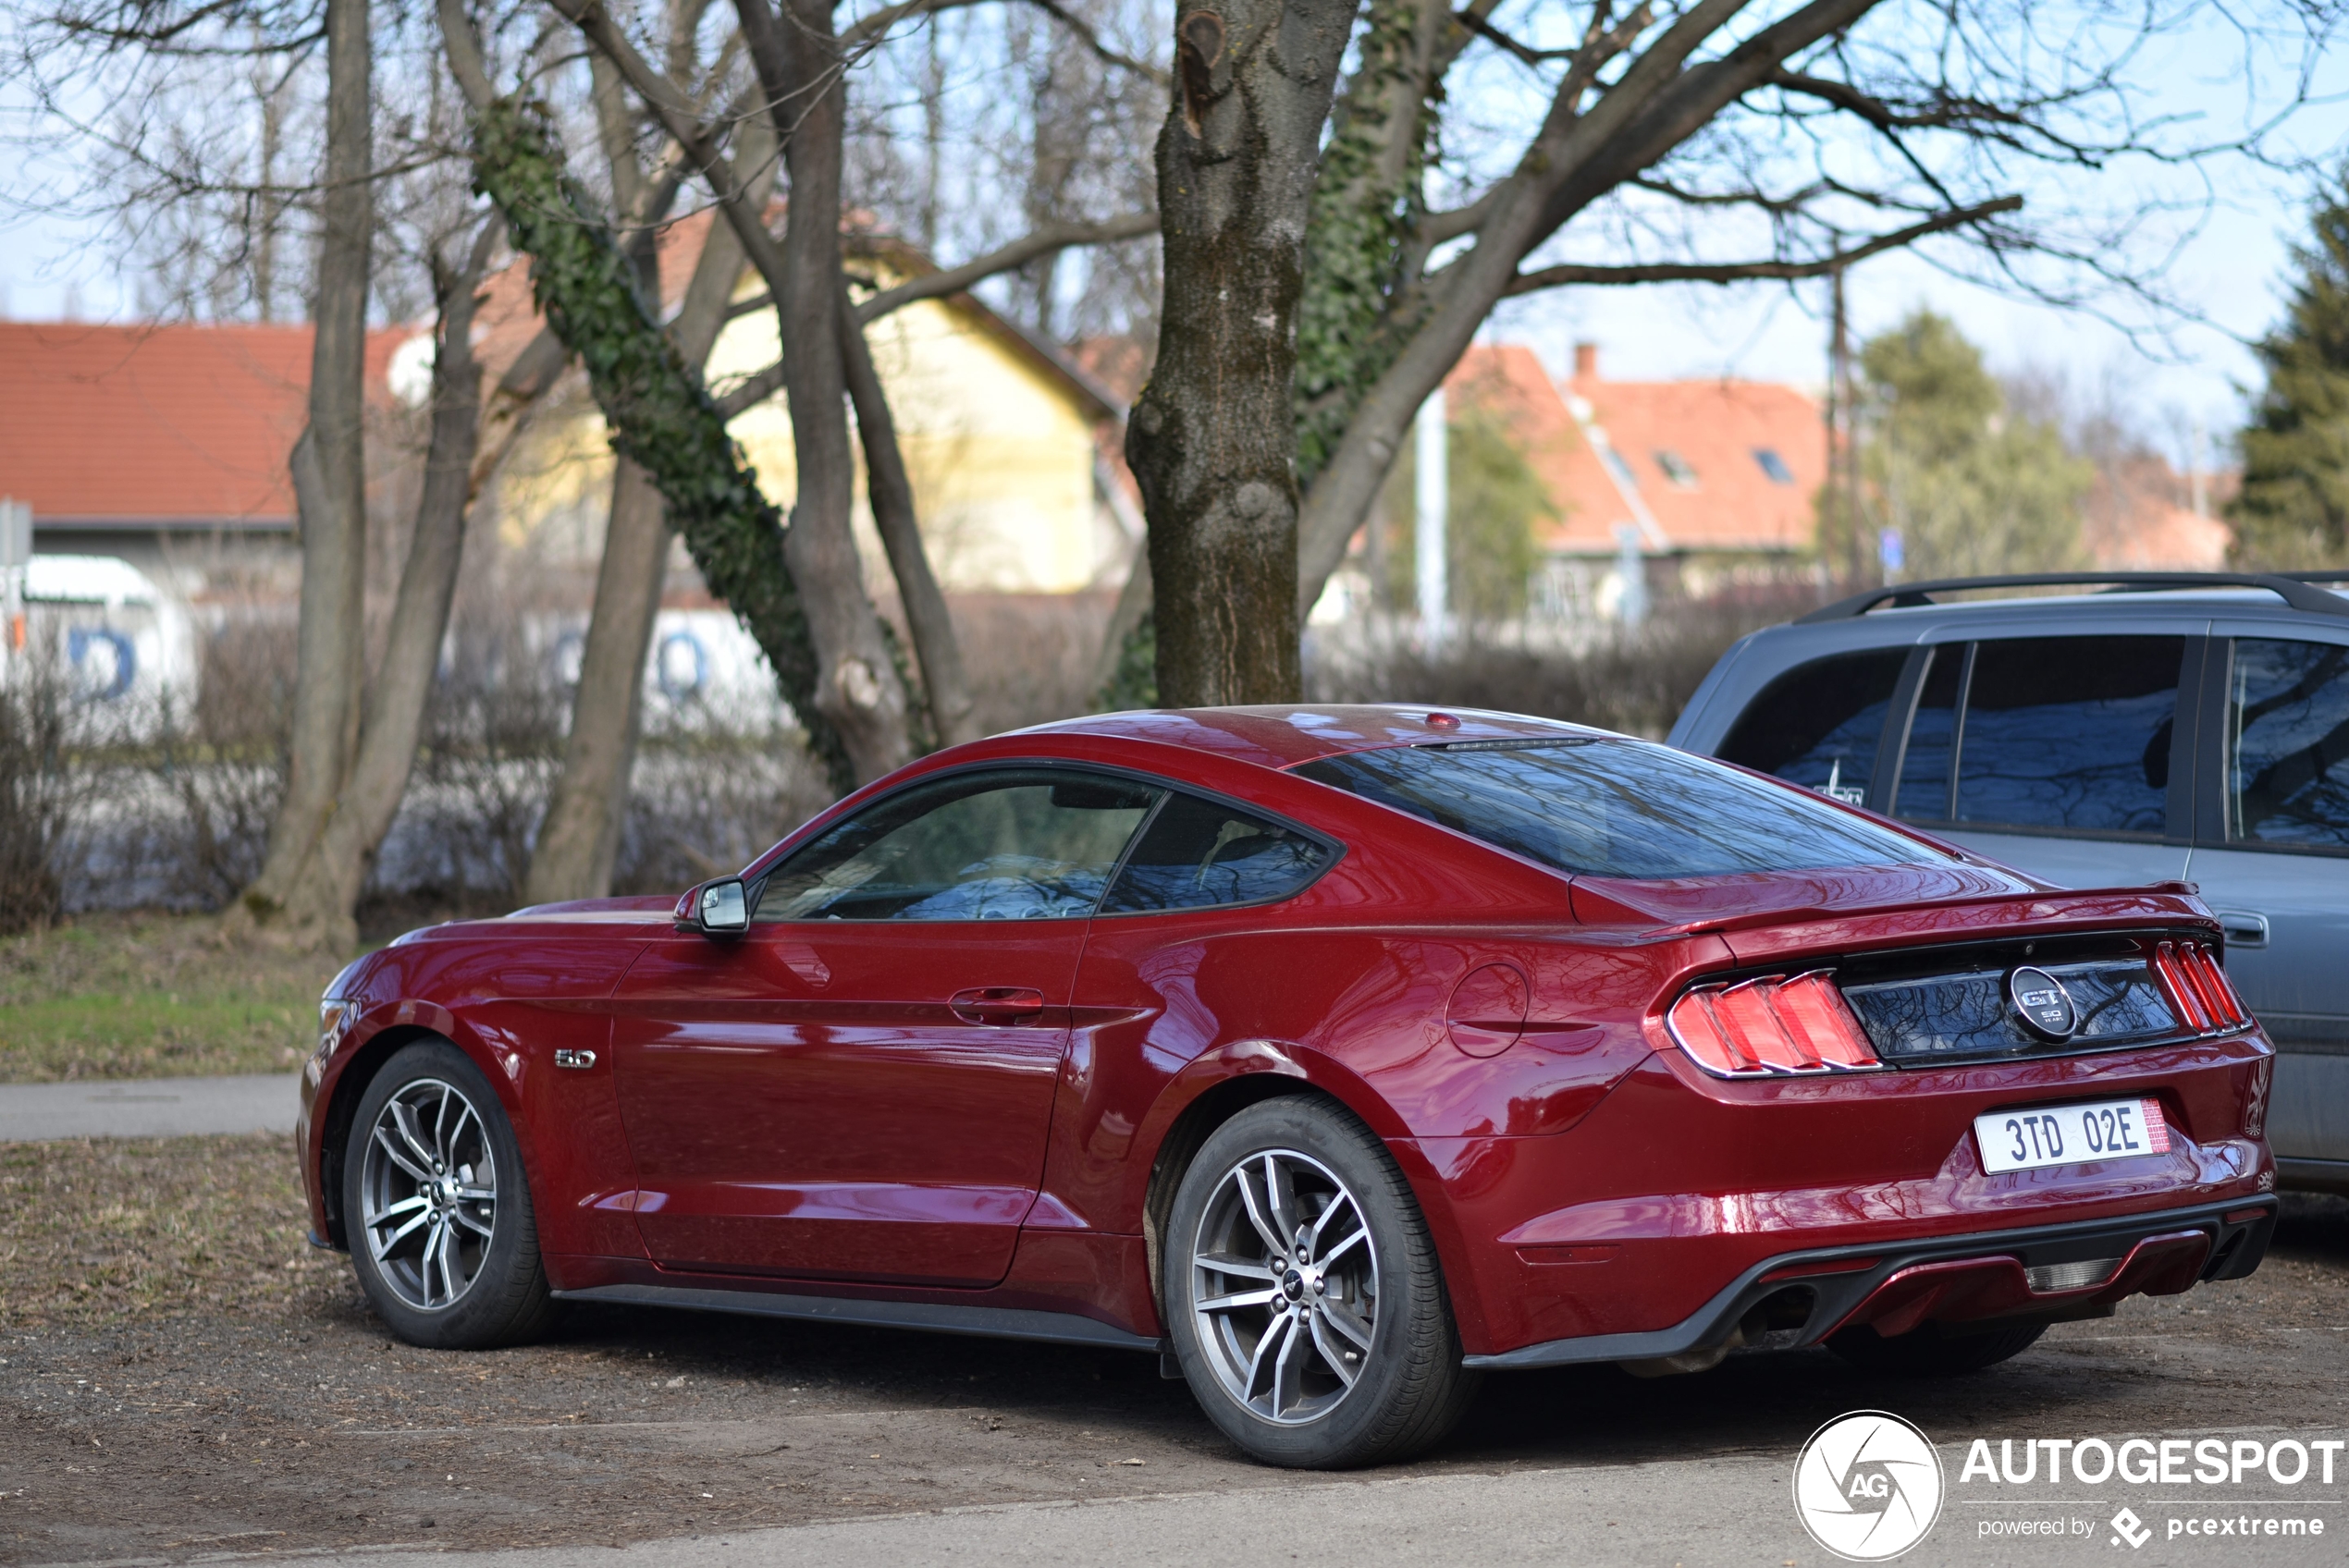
(2134, 522)
(1686, 453)
(157, 425)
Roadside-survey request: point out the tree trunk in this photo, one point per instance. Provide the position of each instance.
(579, 840)
(951, 712)
(856, 685)
(325, 894)
(1213, 440)
(330, 484)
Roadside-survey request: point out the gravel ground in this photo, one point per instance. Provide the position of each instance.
(262, 1409)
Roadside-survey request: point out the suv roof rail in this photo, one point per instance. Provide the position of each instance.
(2295, 588)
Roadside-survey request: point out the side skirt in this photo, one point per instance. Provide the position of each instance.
(2313, 1175)
(985, 1322)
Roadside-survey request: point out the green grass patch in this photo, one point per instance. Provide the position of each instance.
(152, 997)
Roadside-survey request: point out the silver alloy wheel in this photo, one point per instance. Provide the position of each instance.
(429, 1193)
(1285, 1286)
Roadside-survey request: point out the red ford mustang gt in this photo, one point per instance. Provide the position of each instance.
(1336, 1054)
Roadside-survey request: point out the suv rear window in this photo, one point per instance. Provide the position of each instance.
(1615, 808)
(1819, 724)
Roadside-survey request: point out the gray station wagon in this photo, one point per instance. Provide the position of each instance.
(2187, 727)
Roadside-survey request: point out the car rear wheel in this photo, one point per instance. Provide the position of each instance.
(1303, 1294)
(438, 1212)
(1930, 1352)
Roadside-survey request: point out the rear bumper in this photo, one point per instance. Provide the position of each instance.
(1799, 1298)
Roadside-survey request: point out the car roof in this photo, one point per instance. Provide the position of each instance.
(1759, 657)
(2304, 591)
(1283, 735)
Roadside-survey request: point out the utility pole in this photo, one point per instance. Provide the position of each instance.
(16, 560)
(1433, 506)
(1843, 436)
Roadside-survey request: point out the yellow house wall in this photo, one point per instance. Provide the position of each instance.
(555, 489)
(1000, 454)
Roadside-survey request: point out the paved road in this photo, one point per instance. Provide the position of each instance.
(148, 1107)
(1698, 1510)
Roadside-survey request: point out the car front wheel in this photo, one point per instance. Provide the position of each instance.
(438, 1212)
(1304, 1298)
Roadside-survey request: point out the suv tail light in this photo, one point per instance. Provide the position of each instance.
(1756, 1028)
(2198, 989)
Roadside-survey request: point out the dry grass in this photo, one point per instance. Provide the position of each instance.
(152, 996)
(109, 1231)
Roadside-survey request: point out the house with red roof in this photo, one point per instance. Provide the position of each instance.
(1708, 481)
(158, 442)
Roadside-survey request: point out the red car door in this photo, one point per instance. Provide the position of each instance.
(861, 1087)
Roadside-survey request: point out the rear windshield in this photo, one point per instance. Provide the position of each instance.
(1616, 808)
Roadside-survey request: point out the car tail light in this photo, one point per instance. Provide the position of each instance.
(1772, 1025)
(2197, 987)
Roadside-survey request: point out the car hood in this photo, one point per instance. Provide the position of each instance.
(1772, 897)
(637, 910)
(634, 906)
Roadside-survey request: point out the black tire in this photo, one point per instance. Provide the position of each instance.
(1929, 1353)
(486, 1290)
(1389, 1315)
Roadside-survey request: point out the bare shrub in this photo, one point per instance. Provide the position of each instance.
(1030, 656)
(712, 804)
(38, 793)
(1635, 682)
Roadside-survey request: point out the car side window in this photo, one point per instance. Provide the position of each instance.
(1819, 724)
(998, 844)
(2288, 744)
(1196, 853)
(2069, 732)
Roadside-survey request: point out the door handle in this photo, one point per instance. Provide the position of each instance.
(998, 1005)
(2244, 928)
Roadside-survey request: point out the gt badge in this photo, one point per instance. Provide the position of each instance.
(2041, 1002)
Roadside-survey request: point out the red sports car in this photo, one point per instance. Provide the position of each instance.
(1336, 1054)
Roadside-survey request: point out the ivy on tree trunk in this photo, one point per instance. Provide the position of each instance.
(657, 411)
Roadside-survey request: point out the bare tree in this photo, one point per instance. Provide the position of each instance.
(800, 66)
(579, 839)
(330, 474)
(1660, 126)
(324, 893)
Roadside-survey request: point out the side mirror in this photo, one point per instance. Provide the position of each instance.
(721, 908)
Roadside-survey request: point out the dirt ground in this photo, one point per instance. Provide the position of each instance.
(262, 1409)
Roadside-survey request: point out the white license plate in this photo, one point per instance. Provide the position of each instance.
(2040, 1135)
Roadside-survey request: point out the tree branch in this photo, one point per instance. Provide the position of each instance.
(751, 393)
(870, 30)
(934, 285)
(679, 118)
(1019, 253)
(1088, 36)
(1742, 271)
(1531, 57)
